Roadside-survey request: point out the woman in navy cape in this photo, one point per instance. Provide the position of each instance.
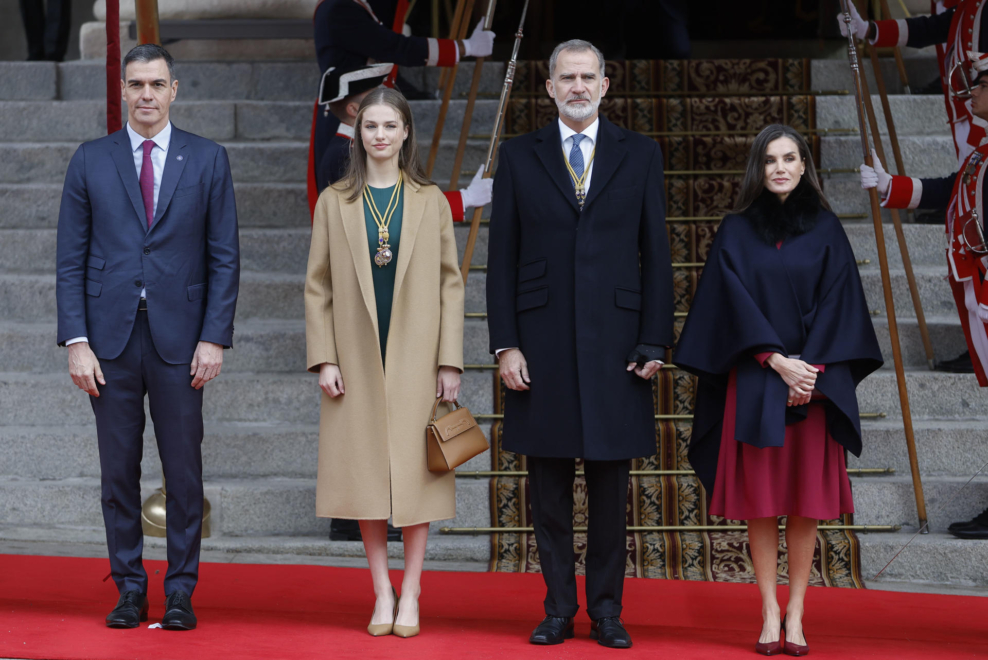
(779, 336)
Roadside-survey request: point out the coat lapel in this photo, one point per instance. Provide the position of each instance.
(123, 157)
(174, 166)
(550, 152)
(356, 235)
(610, 152)
(411, 219)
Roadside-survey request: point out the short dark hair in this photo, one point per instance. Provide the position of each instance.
(148, 53)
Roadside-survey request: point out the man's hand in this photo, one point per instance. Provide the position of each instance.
(331, 380)
(650, 369)
(448, 384)
(206, 363)
(514, 370)
(798, 375)
(84, 368)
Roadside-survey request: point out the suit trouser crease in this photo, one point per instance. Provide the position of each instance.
(551, 488)
(176, 411)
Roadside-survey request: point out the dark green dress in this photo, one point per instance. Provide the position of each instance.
(384, 277)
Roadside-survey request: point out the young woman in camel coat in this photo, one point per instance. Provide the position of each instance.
(380, 383)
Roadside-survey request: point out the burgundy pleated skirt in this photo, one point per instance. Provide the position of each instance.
(807, 476)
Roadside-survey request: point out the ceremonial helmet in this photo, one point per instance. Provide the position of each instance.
(971, 69)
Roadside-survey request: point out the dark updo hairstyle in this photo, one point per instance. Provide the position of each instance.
(754, 173)
(408, 157)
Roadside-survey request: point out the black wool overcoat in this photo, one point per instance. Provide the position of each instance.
(577, 291)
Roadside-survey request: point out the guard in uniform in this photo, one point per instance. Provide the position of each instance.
(350, 34)
(963, 196)
(341, 93)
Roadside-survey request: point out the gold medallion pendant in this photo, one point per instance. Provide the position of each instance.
(383, 256)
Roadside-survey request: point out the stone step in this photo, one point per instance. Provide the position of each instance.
(922, 156)
(261, 346)
(240, 507)
(835, 74)
(457, 552)
(943, 447)
(892, 501)
(932, 395)
(934, 559)
(934, 291)
(912, 115)
(230, 450)
(52, 399)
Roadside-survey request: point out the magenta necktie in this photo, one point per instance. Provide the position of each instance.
(147, 181)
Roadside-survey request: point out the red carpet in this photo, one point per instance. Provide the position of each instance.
(53, 607)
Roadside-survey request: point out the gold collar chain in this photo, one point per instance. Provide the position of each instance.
(383, 221)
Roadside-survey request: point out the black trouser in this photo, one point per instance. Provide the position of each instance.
(551, 487)
(176, 410)
(47, 31)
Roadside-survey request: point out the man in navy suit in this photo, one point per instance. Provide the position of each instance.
(580, 309)
(147, 280)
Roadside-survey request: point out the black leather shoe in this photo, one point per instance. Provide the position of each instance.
(131, 609)
(959, 365)
(980, 519)
(974, 529)
(610, 632)
(553, 630)
(178, 612)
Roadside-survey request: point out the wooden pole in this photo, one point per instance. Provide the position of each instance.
(478, 68)
(502, 108)
(876, 215)
(896, 51)
(461, 23)
(113, 74)
(896, 220)
(147, 22)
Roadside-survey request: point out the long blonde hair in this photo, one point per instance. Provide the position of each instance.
(355, 178)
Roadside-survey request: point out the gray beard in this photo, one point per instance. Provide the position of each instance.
(577, 112)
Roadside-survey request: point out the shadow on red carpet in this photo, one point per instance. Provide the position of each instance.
(53, 608)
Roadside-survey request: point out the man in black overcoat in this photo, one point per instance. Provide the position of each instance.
(580, 310)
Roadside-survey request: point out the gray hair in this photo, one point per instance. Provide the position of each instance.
(578, 45)
(148, 53)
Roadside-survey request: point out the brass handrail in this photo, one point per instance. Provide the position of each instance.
(707, 218)
(873, 415)
(803, 131)
(666, 528)
(706, 93)
(480, 474)
(678, 173)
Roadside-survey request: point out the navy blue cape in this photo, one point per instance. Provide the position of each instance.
(804, 299)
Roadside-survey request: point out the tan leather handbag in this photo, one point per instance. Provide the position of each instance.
(453, 439)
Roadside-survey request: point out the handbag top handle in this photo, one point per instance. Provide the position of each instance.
(435, 408)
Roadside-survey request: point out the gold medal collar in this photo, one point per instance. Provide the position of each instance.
(383, 221)
(579, 182)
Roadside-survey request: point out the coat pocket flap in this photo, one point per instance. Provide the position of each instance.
(453, 424)
(531, 270)
(93, 288)
(187, 190)
(95, 262)
(628, 299)
(197, 291)
(532, 299)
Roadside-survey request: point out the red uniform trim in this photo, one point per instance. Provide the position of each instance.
(312, 190)
(447, 52)
(455, 199)
(888, 34)
(400, 12)
(900, 193)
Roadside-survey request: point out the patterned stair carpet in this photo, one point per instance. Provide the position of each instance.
(704, 113)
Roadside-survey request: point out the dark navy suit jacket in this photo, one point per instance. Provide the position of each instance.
(188, 261)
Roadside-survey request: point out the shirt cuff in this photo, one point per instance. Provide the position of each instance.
(644, 353)
(763, 358)
(76, 340)
(498, 352)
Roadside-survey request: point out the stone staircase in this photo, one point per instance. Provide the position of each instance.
(262, 413)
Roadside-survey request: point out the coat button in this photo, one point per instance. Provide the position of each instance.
(147, 250)
(137, 283)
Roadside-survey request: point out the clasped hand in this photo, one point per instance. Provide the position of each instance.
(798, 375)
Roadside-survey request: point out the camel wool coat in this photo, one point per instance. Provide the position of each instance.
(372, 443)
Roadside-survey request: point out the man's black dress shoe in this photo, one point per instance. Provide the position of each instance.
(979, 520)
(178, 612)
(610, 632)
(131, 609)
(959, 365)
(553, 630)
(972, 529)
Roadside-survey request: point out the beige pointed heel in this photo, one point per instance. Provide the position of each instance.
(405, 631)
(381, 629)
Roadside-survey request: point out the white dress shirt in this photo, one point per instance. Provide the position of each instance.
(158, 154)
(587, 147)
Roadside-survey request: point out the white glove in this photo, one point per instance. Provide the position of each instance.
(875, 177)
(858, 24)
(480, 43)
(479, 192)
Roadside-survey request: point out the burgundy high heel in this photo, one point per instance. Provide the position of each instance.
(795, 650)
(771, 648)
